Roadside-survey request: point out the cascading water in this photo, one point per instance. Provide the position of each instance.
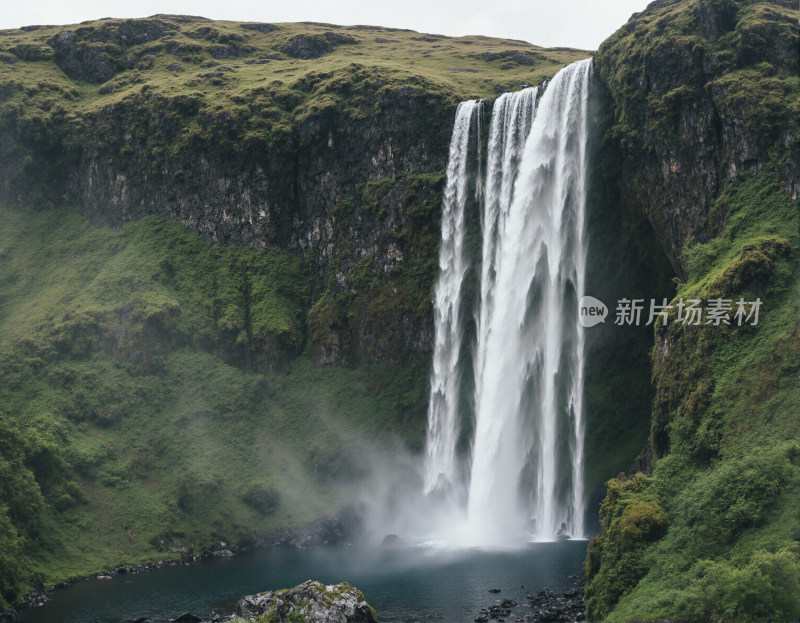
(441, 461)
(525, 471)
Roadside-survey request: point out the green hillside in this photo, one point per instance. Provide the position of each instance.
(126, 437)
(159, 394)
(237, 64)
(218, 248)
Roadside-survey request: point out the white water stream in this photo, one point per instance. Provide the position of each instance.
(524, 473)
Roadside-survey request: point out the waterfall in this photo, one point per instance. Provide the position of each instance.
(524, 474)
(441, 471)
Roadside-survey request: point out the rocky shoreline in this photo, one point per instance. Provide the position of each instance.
(39, 596)
(343, 528)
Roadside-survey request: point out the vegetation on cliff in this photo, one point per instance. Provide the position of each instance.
(703, 91)
(159, 389)
(710, 530)
(713, 532)
(127, 435)
(326, 140)
(159, 393)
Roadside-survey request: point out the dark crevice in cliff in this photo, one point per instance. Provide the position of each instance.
(625, 260)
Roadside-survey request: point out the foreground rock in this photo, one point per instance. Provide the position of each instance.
(310, 601)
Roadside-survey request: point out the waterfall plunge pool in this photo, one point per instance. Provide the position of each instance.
(403, 584)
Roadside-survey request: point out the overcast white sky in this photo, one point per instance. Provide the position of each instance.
(569, 23)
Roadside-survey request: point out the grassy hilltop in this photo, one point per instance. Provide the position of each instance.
(234, 64)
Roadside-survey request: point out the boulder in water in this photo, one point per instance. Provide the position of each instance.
(391, 540)
(188, 617)
(310, 601)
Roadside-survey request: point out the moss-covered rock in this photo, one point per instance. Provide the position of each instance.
(310, 602)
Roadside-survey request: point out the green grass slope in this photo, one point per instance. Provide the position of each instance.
(232, 63)
(125, 435)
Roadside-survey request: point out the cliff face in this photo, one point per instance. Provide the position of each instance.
(705, 95)
(324, 140)
(303, 190)
(705, 100)
(700, 99)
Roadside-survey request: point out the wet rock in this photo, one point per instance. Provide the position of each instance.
(340, 603)
(562, 534)
(549, 607)
(391, 540)
(344, 528)
(187, 617)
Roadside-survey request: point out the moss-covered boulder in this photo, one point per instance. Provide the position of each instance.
(310, 601)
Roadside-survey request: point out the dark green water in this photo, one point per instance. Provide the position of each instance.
(405, 584)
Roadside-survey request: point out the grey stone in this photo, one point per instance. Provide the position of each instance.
(339, 603)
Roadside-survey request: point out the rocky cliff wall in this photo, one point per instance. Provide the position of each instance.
(336, 187)
(700, 99)
(328, 141)
(705, 101)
